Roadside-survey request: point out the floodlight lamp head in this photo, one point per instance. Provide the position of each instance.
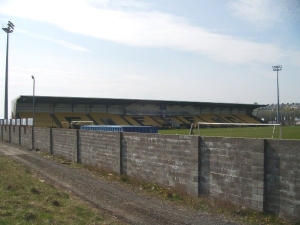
(277, 68)
(32, 77)
(11, 24)
(9, 28)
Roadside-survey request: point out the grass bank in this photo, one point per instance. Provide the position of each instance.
(25, 199)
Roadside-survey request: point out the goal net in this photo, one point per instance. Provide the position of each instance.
(247, 130)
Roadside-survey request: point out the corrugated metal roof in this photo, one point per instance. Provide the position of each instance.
(111, 101)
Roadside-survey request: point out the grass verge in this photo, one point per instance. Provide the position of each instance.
(25, 199)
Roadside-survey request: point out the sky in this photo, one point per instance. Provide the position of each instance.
(196, 50)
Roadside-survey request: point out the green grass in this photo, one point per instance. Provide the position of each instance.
(288, 132)
(24, 199)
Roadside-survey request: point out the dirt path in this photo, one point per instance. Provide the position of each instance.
(126, 204)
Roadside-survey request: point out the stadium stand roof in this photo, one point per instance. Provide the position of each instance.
(111, 101)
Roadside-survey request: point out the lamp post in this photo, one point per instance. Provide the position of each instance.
(277, 68)
(8, 29)
(33, 99)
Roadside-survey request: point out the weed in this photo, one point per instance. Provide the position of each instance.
(125, 179)
(34, 191)
(29, 216)
(55, 203)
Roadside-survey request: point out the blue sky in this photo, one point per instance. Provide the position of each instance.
(196, 50)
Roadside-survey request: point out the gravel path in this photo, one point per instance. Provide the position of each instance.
(127, 204)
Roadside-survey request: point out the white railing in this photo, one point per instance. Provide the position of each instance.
(24, 121)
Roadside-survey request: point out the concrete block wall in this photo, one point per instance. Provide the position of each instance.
(6, 133)
(42, 139)
(64, 143)
(257, 173)
(232, 169)
(101, 149)
(15, 135)
(169, 160)
(26, 137)
(282, 177)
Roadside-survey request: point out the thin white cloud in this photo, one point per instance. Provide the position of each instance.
(135, 77)
(121, 4)
(143, 28)
(266, 13)
(57, 41)
(256, 12)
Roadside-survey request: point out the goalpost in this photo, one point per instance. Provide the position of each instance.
(255, 130)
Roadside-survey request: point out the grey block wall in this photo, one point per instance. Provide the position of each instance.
(15, 135)
(256, 173)
(6, 133)
(169, 160)
(232, 169)
(42, 139)
(282, 179)
(64, 143)
(100, 149)
(26, 136)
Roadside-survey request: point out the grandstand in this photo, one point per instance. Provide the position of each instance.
(55, 111)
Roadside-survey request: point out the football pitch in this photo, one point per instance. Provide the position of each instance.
(287, 132)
